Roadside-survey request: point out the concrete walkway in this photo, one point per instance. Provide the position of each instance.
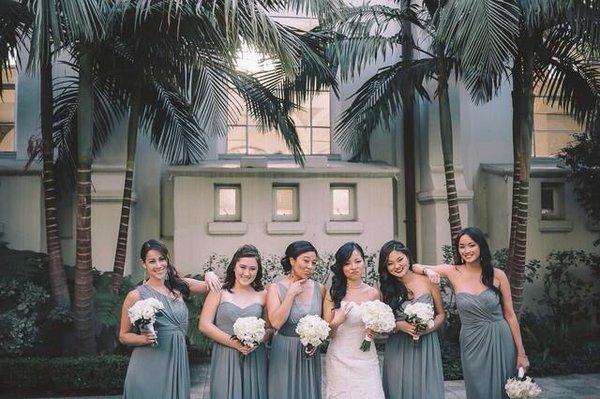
(574, 386)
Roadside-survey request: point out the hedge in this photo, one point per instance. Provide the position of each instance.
(83, 375)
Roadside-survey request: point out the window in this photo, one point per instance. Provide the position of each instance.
(552, 201)
(312, 119)
(552, 128)
(343, 202)
(285, 202)
(228, 203)
(7, 111)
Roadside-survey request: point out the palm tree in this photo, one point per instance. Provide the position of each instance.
(552, 52)
(364, 39)
(174, 79)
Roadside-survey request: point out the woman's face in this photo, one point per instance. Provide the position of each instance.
(354, 267)
(155, 264)
(245, 271)
(468, 249)
(304, 265)
(397, 264)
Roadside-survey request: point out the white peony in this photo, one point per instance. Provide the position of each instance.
(250, 331)
(142, 314)
(420, 315)
(313, 331)
(522, 389)
(378, 317)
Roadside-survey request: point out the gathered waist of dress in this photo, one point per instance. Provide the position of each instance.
(170, 329)
(467, 324)
(288, 330)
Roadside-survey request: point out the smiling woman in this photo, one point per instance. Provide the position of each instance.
(161, 350)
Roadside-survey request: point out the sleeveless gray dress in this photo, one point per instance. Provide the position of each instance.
(487, 348)
(291, 374)
(230, 378)
(162, 371)
(413, 370)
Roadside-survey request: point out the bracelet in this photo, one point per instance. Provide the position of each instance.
(425, 268)
(523, 355)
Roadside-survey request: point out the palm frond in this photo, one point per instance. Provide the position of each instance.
(566, 76)
(481, 35)
(174, 129)
(15, 25)
(379, 100)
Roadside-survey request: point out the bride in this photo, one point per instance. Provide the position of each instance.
(349, 372)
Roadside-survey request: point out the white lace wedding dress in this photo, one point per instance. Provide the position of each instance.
(349, 372)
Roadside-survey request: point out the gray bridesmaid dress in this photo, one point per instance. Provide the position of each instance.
(487, 348)
(291, 374)
(413, 370)
(230, 378)
(162, 371)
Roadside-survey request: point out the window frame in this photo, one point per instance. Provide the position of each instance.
(10, 84)
(558, 200)
(237, 217)
(295, 216)
(353, 216)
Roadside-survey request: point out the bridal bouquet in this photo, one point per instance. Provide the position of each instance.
(313, 331)
(250, 331)
(378, 317)
(142, 314)
(420, 315)
(522, 387)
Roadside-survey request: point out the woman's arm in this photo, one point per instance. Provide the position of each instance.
(126, 334)
(207, 326)
(438, 307)
(335, 317)
(433, 272)
(269, 330)
(279, 311)
(211, 282)
(511, 318)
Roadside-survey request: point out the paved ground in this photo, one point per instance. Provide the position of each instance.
(574, 386)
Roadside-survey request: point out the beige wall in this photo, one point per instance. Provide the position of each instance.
(193, 199)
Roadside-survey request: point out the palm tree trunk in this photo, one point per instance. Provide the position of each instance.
(84, 289)
(132, 132)
(58, 277)
(448, 152)
(519, 252)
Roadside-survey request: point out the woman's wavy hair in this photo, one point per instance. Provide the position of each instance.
(245, 251)
(173, 282)
(485, 256)
(339, 280)
(394, 292)
(294, 250)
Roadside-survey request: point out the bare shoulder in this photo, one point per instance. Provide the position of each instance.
(499, 274)
(374, 293)
(132, 297)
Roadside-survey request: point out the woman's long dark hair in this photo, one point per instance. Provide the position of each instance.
(394, 292)
(485, 256)
(173, 282)
(245, 251)
(294, 250)
(339, 280)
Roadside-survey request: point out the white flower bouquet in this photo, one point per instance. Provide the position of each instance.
(250, 331)
(378, 317)
(522, 387)
(313, 331)
(420, 315)
(142, 314)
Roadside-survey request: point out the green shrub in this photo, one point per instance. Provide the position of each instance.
(81, 375)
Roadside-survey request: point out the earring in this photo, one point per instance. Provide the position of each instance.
(145, 274)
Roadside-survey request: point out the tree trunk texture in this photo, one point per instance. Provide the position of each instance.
(58, 277)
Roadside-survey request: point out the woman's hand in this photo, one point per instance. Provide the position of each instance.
(407, 328)
(297, 287)
(340, 314)
(148, 338)
(433, 276)
(213, 281)
(522, 361)
(245, 349)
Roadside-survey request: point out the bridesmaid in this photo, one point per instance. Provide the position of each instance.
(169, 358)
(350, 372)
(410, 369)
(242, 296)
(490, 340)
(292, 375)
